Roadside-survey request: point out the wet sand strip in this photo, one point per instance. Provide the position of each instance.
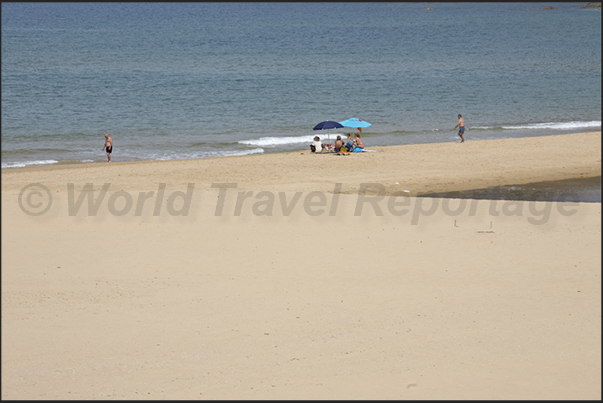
(581, 190)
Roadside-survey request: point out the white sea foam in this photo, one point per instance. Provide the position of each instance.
(278, 141)
(549, 125)
(207, 154)
(234, 153)
(173, 156)
(22, 164)
(557, 126)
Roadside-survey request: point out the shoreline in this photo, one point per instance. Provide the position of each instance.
(102, 160)
(415, 168)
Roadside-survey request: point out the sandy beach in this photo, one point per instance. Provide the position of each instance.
(303, 276)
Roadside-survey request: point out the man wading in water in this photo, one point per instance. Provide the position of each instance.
(108, 146)
(461, 126)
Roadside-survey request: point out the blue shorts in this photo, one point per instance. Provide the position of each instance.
(462, 129)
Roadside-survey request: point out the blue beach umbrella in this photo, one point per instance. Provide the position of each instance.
(355, 122)
(327, 125)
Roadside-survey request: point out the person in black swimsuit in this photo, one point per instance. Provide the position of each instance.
(108, 147)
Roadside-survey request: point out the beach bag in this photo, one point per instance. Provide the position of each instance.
(357, 150)
(312, 148)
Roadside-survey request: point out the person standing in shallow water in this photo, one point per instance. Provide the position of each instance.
(461, 126)
(108, 147)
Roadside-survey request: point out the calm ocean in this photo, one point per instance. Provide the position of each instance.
(197, 80)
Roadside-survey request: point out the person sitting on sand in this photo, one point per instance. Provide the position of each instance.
(338, 144)
(358, 146)
(349, 145)
(316, 146)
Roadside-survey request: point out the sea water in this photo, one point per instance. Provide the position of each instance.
(198, 80)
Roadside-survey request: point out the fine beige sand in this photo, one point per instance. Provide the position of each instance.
(302, 276)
